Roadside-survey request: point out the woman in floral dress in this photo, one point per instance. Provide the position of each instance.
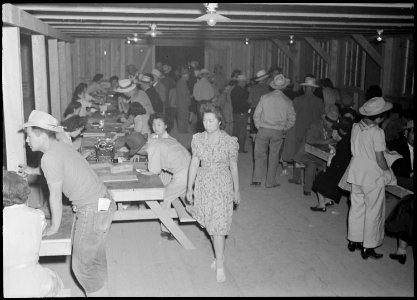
(215, 184)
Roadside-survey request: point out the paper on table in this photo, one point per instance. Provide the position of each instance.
(103, 204)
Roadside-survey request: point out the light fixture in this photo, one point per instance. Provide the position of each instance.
(379, 36)
(247, 41)
(291, 41)
(153, 32)
(134, 39)
(211, 17)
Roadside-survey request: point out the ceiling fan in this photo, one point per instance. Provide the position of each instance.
(153, 32)
(211, 17)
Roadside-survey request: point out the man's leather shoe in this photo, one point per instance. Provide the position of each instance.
(400, 257)
(352, 246)
(272, 186)
(292, 180)
(370, 252)
(254, 183)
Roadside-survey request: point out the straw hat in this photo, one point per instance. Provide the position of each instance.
(43, 120)
(146, 78)
(166, 69)
(157, 73)
(375, 106)
(279, 82)
(204, 71)
(260, 75)
(331, 116)
(135, 141)
(125, 85)
(310, 81)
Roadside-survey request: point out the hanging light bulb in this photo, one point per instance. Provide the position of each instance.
(291, 42)
(211, 22)
(379, 37)
(246, 41)
(153, 34)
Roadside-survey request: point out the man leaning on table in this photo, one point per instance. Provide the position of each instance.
(66, 171)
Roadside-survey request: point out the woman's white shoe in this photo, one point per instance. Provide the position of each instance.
(221, 276)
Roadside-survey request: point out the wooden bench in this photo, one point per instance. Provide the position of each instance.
(397, 190)
(183, 215)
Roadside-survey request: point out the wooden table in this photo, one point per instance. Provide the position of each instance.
(320, 152)
(132, 187)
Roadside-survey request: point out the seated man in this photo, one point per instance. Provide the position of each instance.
(319, 132)
(403, 167)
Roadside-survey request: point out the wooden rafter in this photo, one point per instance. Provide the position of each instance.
(362, 41)
(316, 46)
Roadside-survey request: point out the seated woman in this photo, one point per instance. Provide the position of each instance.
(326, 183)
(138, 117)
(94, 86)
(73, 109)
(170, 160)
(23, 276)
(80, 95)
(72, 130)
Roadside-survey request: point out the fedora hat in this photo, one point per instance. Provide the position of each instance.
(135, 141)
(166, 69)
(332, 115)
(375, 106)
(146, 78)
(260, 75)
(241, 78)
(43, 120)
(157, 73)
(279, 82)
(309, 81)
(125, 85)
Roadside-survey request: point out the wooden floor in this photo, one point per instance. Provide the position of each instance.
(276, 247)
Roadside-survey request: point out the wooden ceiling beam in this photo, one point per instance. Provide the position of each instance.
(13, 16)
(363, 42)
(383, 5)
(281, 45)
(316, 46)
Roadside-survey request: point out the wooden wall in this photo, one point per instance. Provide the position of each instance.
(109, 57)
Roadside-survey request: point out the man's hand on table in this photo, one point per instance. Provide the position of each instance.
(50, 230)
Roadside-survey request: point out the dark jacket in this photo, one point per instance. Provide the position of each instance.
(402, 166)
(157, 104)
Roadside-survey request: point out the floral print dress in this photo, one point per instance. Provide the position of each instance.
(213, 191)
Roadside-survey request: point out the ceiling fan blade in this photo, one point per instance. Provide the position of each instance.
(216, 17)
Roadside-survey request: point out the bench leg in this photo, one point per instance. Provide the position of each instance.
(170, 225)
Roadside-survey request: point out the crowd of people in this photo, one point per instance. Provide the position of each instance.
(282, 119)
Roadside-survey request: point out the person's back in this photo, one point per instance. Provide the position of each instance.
(155, 99)
(141, 97)
(308, 109)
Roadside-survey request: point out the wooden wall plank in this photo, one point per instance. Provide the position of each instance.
(83, 58)
(54, 88)
(122, 71)
(319, 49)
(70, 86)
(362, 41)
(12, 98)
(40, 80)
(281, 45)
(62, 61)
(76, 62)
(387, 81)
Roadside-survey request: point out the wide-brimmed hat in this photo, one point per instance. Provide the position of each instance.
(260, 75)
(309, 81)
(185, 71)
(146, 78)
(279, 82)
(204, 71)
(375, 106)
(166, 69)
(135, 141)
(332, 115)
(43, 120)
(157, 73)
(241, 78)
(125, 85)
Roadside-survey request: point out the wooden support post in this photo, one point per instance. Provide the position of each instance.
(320, 51)
(361, 40)
(13, 98)
(69, 73)
(334, 62)
(62, 62)
(54, 89)
(284, 48)
(40, 78)
(386, 77)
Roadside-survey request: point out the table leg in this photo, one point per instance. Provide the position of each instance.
(170, 225)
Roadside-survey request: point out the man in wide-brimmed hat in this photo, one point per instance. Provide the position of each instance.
(239, 98)
(309, 109)
(132, 94)
(203, 92)
(66, 171)
(273, 116)
(255, 94)
(145, 83)
(158, 85)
